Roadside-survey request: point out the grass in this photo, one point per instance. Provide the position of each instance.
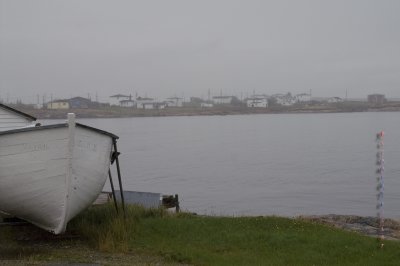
(165, 238)
(259, 241)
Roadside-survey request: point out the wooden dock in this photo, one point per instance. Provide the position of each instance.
(145, 199)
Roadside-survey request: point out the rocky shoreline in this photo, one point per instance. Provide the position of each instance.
(364, 225)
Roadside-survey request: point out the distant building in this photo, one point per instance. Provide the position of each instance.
(148, 106)
(127, 103)
(376, 98)
(73, 103)
(284, 99)
(303, 98)
(222, 99)
(145, 103)
(257, 102)
(335, 100)
(199, 102)
(160, 105)
(174, 102)
(80, 103)
(58, 104)
(117, 98)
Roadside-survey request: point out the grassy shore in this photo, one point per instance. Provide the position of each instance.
(151, 237)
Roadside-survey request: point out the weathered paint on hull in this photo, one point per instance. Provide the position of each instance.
(49, 176)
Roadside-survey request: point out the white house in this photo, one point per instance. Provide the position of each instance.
(284, 99)
(222, 99)
(145, 103)
(117, 98)
(148, 106)
(303, 98)
(11, 118)
(257, 101)
(174, 102)
(128, 103)
(161, 105)
(335, 100)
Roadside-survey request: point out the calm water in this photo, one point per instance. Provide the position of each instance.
(283, 164)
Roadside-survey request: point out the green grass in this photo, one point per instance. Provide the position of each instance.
(107, 231)
(204, 240)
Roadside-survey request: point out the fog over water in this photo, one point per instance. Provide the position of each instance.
(284, 164)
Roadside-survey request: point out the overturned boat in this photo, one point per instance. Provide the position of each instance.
(49, 174)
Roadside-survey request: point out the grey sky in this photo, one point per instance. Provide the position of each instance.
(183, 48)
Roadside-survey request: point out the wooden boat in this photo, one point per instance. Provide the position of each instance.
(11, 118)
(49, 174)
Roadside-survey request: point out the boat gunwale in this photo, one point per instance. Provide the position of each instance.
(18, 112)
(28, 129)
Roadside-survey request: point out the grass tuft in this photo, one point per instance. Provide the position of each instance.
(102, 227)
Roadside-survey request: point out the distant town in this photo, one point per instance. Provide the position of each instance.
(128, 105)
(255, 101)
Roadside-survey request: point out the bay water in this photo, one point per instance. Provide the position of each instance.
(268, 164)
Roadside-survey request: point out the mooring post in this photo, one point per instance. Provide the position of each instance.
(380, 187)
(119, 176)
(113, 190)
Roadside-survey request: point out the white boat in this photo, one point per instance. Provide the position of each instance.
(11, 118)
(49, 174)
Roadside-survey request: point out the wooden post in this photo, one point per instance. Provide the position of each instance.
(119, 176)
(113, 190)
(177, 208)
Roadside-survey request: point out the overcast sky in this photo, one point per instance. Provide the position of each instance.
(185, 48)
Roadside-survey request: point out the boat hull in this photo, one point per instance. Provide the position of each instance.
(48, 176)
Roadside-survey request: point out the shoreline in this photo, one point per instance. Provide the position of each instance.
(121, 112)
(364, 225)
